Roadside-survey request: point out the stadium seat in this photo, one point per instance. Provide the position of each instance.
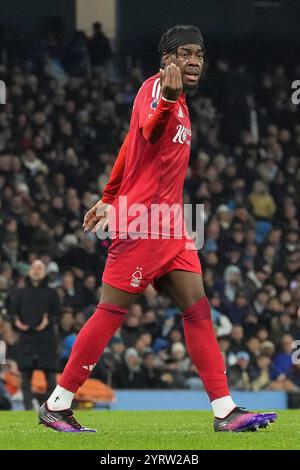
(93, 390)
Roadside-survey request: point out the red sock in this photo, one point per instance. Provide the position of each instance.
(204, 350)
(90, 343)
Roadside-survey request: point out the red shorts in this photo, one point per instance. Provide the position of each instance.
(133, 264)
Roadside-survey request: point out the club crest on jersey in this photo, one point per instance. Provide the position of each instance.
(182, 135)
(154, 104)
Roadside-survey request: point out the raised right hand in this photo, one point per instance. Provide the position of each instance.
(171, 82)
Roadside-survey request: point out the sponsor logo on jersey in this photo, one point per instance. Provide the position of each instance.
(183, 135)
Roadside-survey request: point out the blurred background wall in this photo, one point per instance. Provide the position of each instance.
(28, 17)
(139, 24)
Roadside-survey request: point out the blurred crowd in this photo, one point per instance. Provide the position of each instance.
(60, 132)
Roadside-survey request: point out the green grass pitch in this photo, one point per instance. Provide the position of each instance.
(147, 430)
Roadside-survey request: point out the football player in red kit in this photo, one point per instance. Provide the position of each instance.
(149, 175)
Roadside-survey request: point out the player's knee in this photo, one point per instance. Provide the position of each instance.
(199, 310)
(111, 308)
